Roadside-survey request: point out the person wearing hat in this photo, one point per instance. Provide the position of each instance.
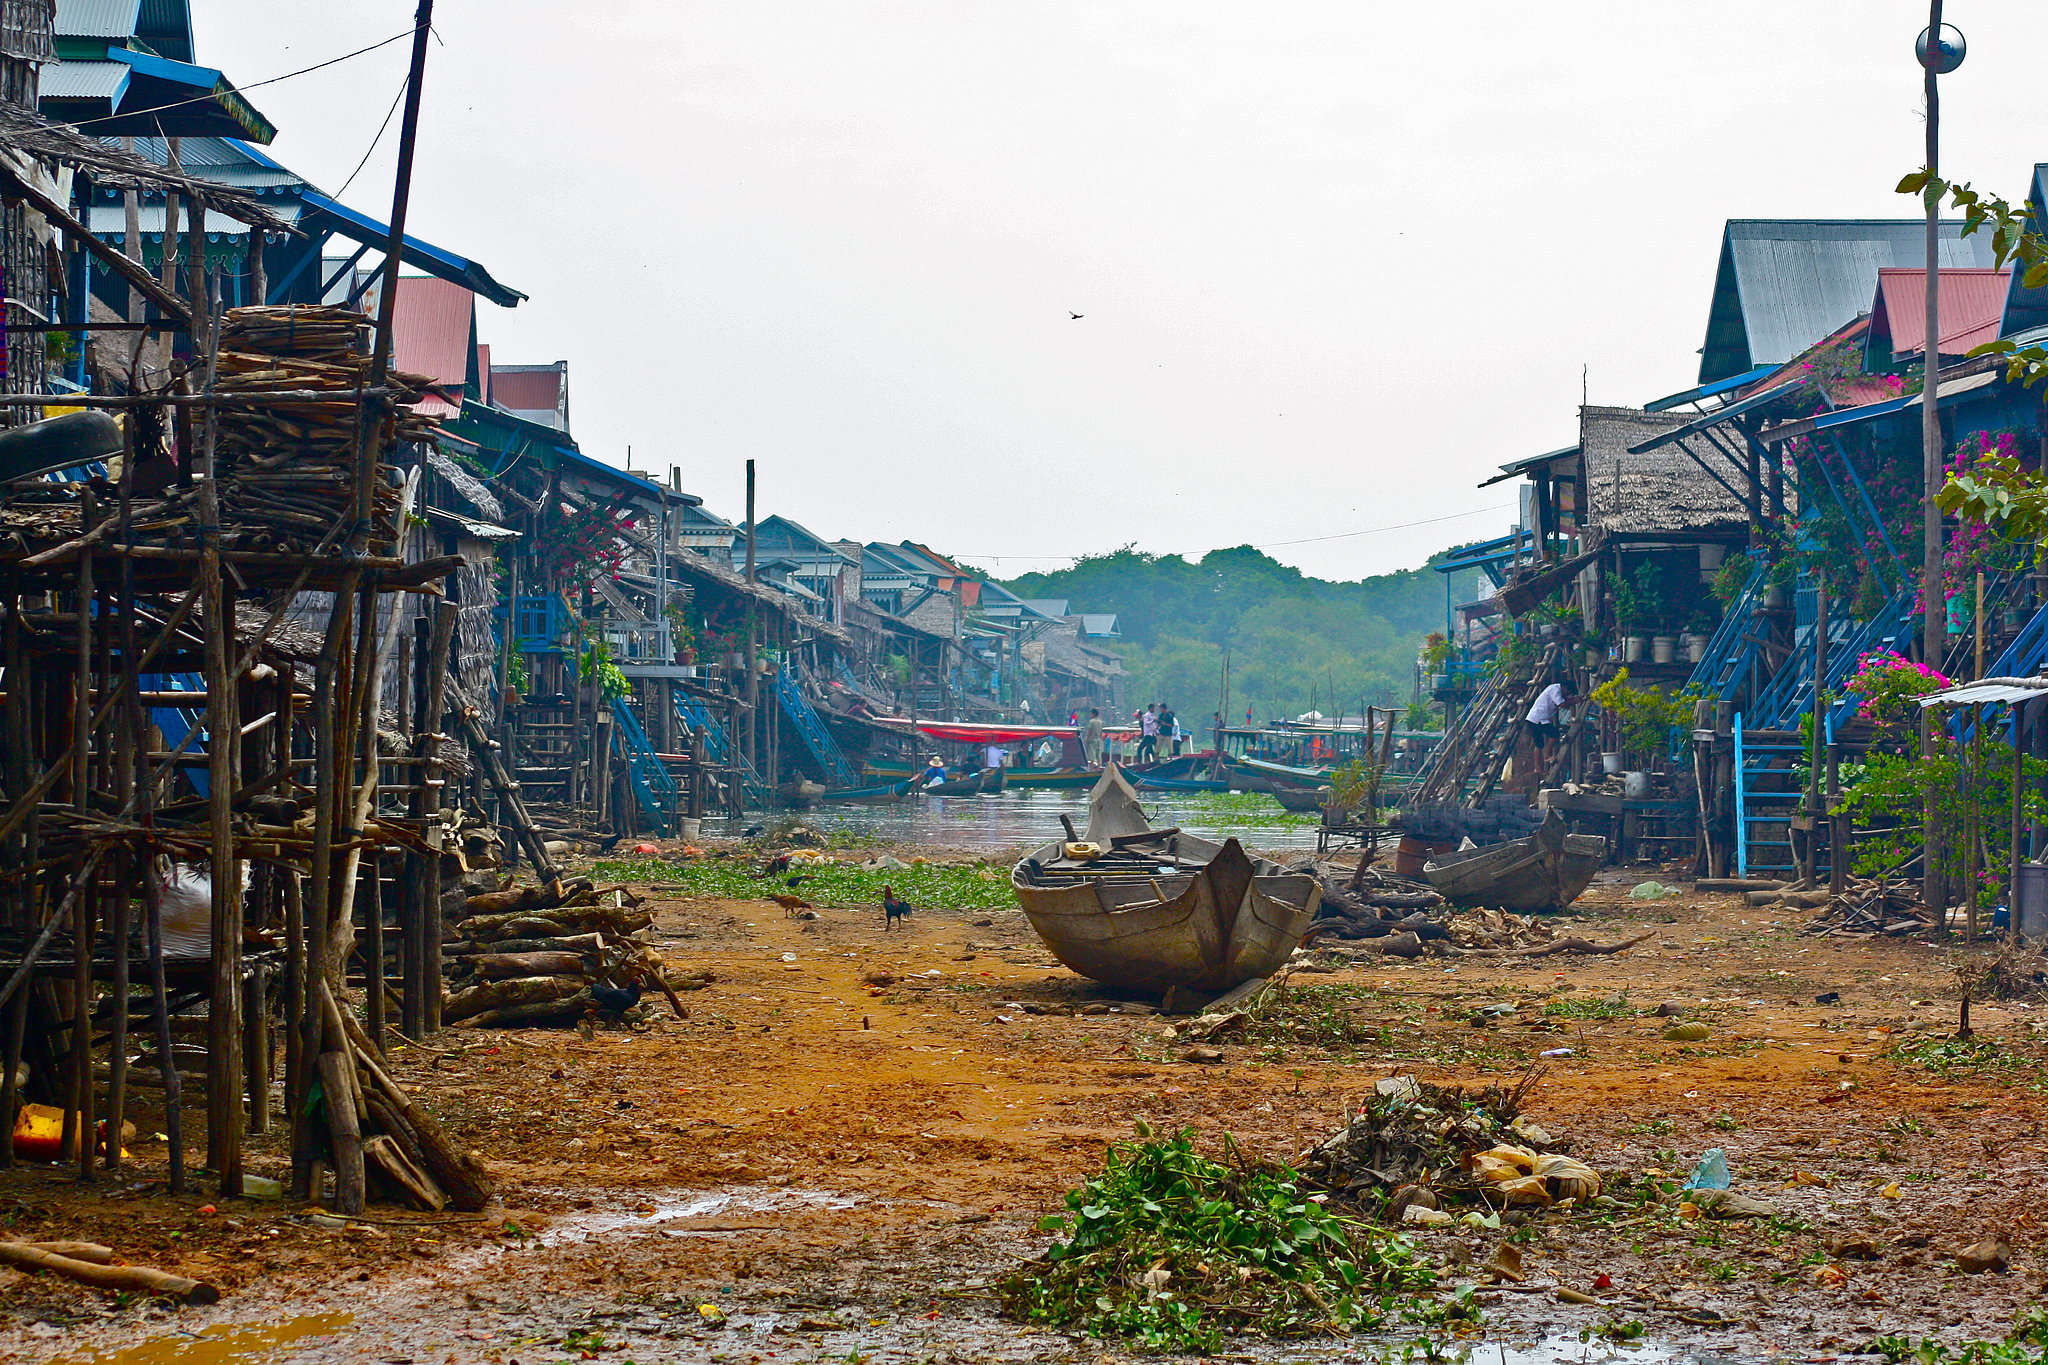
(934, 772)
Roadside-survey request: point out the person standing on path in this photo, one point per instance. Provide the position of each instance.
(1091, 738)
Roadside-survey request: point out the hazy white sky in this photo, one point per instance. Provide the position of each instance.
(1336, 261)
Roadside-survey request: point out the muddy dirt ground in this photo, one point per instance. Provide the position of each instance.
(812, 1166)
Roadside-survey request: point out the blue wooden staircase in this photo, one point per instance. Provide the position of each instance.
(654, 787)
(1733, 650)
(719, 747)
(824, 749)
(1790, 694)
(1766, 798)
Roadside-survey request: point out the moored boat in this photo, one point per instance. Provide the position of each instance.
(974, 784)
(1157, 908)
(1150, 782)
(1546, 871)
(875, 793)
(1301, 798)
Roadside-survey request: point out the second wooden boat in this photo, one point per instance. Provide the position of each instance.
(1181, 784)
(1160, 908)
(876, 793)
(1301, 798)
(1546, 871)
(974, 784)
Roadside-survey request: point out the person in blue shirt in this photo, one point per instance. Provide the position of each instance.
(934, 772)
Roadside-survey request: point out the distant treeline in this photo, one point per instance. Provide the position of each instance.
(1294, 643)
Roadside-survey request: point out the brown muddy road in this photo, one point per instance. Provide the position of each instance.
(837, 1168)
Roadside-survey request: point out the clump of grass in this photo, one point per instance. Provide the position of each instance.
(1325, 1016)
(1962, 1056)
(1176, 1251)
(977, 886)
(1584, 1007)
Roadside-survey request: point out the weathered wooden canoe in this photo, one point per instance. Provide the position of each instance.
(974, 784)
(1301, 798)
(1546, 871)
(882, 792)
(1161, 909)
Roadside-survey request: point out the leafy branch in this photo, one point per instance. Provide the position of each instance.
(2012, 244)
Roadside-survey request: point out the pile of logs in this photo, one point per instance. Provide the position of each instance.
(1371, 903)
(542, 956)
(287, 468)
(1869, 906)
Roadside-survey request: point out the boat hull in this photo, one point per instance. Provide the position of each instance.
(1546, 871)
(1206, 927)
(1182, 784)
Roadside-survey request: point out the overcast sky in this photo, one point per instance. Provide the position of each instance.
(1335, 261)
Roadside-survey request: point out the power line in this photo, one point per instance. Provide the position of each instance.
(1309, 540)
(371, 150)
(208, 98)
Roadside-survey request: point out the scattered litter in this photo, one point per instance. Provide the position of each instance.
(1691, 1031)
(1652, 891)
(1712, 1172)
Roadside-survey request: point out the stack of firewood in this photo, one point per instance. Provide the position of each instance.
(537, 956)
(1873, 906)
(286, 468)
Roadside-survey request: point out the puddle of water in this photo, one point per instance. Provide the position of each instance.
(1016, 819)
(654, 1213)
(220, 1344)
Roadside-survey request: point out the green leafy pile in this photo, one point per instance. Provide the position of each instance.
(1176, 1251)
(2026, 1345)
(928, 886)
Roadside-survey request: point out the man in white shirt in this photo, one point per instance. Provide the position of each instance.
(1541, 722)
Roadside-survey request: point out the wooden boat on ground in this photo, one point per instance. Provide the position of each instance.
(1159, 908)
(1546, 871)
(1151, 782)
(801, 793)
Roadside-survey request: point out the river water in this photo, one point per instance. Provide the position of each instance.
(1016, 819)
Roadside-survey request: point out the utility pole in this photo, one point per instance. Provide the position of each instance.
(753, 688)
(1934, 58)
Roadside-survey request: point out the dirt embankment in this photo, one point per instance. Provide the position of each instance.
(855, 1128)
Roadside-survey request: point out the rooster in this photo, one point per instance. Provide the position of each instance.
(793, 905)
(893, 909)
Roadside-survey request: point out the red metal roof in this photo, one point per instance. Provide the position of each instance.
(433, 331)
(1972, 306)
(483, 371)
(526, 390)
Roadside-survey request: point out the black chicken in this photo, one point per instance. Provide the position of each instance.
(893, 909)
(799, 879)
(609, 999)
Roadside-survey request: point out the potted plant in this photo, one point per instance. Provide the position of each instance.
(1699, 631)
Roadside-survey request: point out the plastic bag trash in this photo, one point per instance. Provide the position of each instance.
(1712, 1172)
(1556, 1052)
(1652, 891)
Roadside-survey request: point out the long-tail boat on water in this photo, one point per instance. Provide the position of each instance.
(1147, 909)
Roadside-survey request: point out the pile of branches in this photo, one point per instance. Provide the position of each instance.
(1414, 1144)
(2019, 972)
(551, 957)
(1871, 906)
(287, 469)
(1371, 903)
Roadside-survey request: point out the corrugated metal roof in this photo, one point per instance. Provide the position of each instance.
(84, 80)
(1987, 690)
(330, 215)
(433, 330)
(1784, 284)
(527, 388)
(96, 19)
(1972, 303)
(109, 222)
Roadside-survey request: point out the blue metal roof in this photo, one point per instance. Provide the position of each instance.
(1718, 415)
(1950, 391)
(323, 213)
(1485, 552)
(1734, 381)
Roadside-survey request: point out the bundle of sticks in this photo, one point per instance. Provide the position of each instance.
(541, 956)
(287, 468)
(1871, 905)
